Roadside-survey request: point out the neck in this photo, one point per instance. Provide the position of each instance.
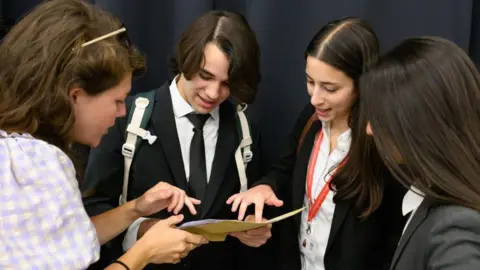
(339, 125)
(181, 81)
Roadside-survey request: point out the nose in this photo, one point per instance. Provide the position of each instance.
(213, 91)
(318, 97)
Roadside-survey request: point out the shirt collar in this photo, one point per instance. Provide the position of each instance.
(412, 200)
(180, 106)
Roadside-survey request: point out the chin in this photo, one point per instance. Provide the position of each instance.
(203, 110)
(324, 119)
(91, 143)
(94, 143)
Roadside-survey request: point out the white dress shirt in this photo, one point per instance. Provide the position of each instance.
(181, 109)
(312, 258)
(411, 201)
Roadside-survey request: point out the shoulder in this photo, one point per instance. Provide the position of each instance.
(158, 93)
(40, 199)
(453, 237)
(305, 114)
(25, 155)
(229, 112)
(453, 217)
(302, 121)
(32, 166)
(303, 118)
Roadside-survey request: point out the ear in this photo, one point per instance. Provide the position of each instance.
(75, 93)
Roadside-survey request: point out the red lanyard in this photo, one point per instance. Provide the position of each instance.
(314, 206)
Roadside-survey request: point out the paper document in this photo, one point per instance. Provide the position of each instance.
(217, 229)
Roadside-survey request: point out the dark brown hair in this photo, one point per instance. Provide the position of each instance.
(42, 59)
(423, 104)
(350, 45)
(233, 35)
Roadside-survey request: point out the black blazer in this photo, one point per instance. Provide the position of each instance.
(353, 244)
(440, 237)
(162, 161)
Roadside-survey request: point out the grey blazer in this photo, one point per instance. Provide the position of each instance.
(440, 237)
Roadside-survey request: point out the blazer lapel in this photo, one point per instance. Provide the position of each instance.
(226, 145)
(341, 211)
(163, 121)
(300, 172)
(416, 220)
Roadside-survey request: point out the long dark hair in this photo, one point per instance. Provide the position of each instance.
(350, 45)
(423, 103)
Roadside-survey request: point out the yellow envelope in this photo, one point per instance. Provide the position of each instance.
(216, 230)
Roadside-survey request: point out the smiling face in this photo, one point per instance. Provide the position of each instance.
(209, 87)
(332, 91)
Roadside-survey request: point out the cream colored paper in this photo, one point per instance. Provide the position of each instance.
(216, 230)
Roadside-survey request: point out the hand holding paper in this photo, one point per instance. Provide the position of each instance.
(254, 237)
(217, 230)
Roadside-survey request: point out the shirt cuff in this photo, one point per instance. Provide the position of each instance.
(131, 236)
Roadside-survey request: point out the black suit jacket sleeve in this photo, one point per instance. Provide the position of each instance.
(280, 173)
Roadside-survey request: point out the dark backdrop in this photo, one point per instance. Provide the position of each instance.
(283, 28)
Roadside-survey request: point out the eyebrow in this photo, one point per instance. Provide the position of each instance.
(322, 82)
(207, 72)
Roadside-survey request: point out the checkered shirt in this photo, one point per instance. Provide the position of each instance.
(43, 224)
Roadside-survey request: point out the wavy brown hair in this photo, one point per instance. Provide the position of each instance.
(42, 59)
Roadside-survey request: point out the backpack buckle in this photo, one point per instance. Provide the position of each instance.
(247, 155)
(128, 150)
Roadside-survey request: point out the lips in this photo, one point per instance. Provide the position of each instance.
(323, 112)
(206, 104)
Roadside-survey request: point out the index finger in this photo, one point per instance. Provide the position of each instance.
(258, 209)
(190, 206)
(232, 198)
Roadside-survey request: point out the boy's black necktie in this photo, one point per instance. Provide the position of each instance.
(197, 182)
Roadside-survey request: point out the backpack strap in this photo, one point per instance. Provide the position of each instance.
(138, 118)
(306, 128)
(243, 154)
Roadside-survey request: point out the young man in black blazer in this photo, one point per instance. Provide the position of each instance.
(196, 139)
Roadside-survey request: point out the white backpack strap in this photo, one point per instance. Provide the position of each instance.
(243, 154)
(128, 148)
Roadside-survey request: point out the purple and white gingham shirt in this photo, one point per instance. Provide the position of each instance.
(43, 224)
